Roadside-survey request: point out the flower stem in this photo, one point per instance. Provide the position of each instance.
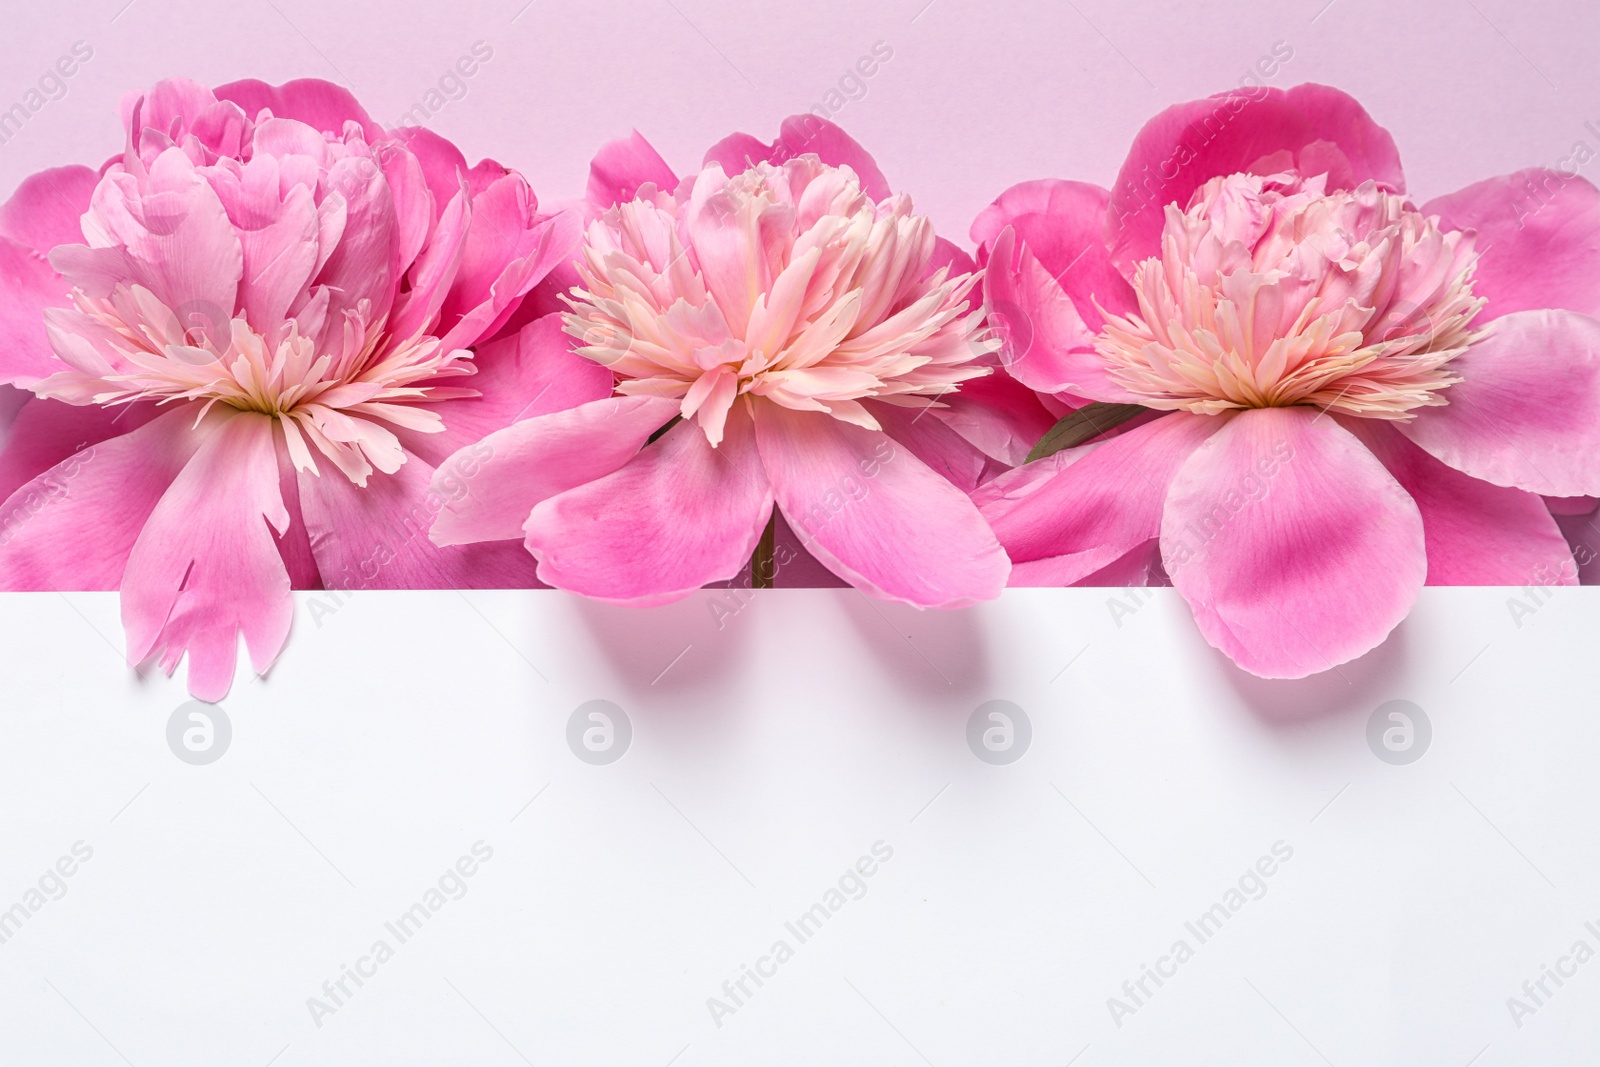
(763, 566)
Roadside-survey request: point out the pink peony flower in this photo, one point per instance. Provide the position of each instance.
(263, 333)
(777, 326)
(1350, 395)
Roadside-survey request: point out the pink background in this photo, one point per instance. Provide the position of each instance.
(978, 94)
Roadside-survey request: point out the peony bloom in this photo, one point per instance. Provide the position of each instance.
(777, 326)
(260, 319)
(1348, 395)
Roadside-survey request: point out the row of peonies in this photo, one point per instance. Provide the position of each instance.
(272, 345)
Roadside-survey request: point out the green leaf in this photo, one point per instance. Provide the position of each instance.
(1091, 420)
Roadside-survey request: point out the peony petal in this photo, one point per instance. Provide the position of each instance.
(933, 442)
(490, 487)
(362, 268)
(622, 166)
(1538, 240)
(206, 566)
(28, 285)
(546, 244)
(1527, 412)
(1063, 224)
(1310, 128)
(322, 105)
(875, 514)
(1296, 549)
(532, 372)
(377, 537)
(1477, 533)
(1003, 418)
(72, 527)
(802, 135)
(47, 208)
(1067, 516)
(679, 515)
(45, 432)
(1048, 346)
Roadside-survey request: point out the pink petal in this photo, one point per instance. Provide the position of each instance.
(933, 442)
(1477, 533)
(73, 526)
(206, 566)
(434, 271)
(363, 266)
(1296, 549)
(1538, 240)
(947, 256)
(802, 135)
(444, 167)
(875, 514)
(680, 514)
(1063, 224)
(1002, 417)
(532, 372)
(47, 208)
(1048, 346)
(1527, 413)
(45, 432)
(1310, 128)
(278, 260)
(179, 242)
(294, 542)
(183, 112)
(1069, 515)
(622, 166)
(28, 285)
(544, 245)
(490, 487)
(322, 105)
(377, 537)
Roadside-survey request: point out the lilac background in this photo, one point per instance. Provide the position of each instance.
(978, 94)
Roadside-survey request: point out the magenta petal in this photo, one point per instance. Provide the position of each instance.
(1527, 413)
(809, 134)
(1067, 516)
(1063, 224)
(1002, 418)
(1310, 128)
(532, 372)
(933, 442)
(679, 515)
(1538, 240)
(322, 105)
(489, 487)
(28, 285)
(1477, 533)
(47, 208)
(622, 166)
(1048, 346)
(206, 566)
(73, 526)
(376, 537)
(802, 135)
(45, 432)
(875, 514)
(1294, 546)
(545, 245)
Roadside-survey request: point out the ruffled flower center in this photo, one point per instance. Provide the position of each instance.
(1272, 292)
(785, 282)
(330, 396)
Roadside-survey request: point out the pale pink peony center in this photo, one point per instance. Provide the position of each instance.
(785, 283)
(1272, 292)
(331, 396)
